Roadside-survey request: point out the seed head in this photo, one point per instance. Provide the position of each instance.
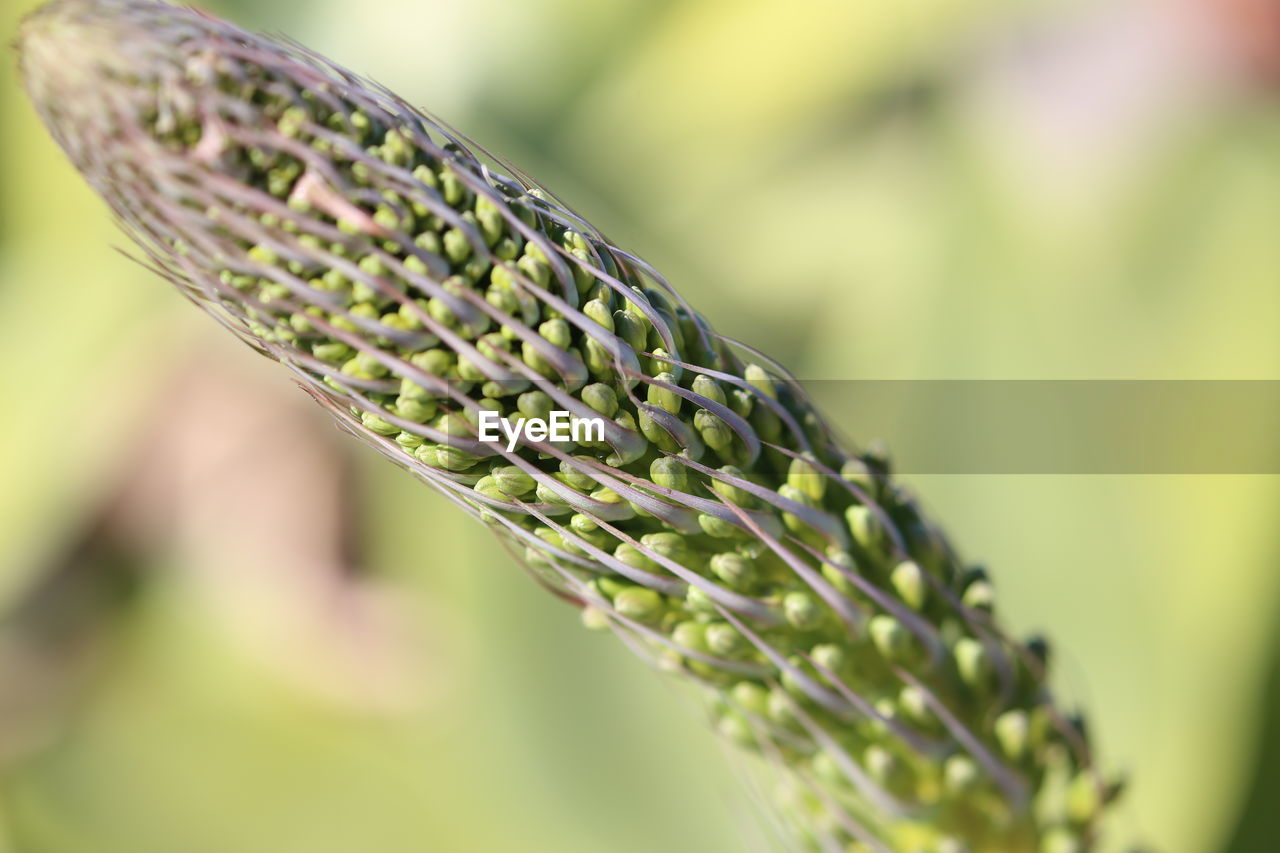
(411, 283)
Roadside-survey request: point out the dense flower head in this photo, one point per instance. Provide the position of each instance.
(412, 284)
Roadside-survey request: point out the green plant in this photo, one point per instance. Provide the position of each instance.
(718, 525)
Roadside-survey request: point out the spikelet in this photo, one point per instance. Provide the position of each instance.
(413, 283)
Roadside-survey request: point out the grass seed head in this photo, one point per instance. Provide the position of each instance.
(410, 282)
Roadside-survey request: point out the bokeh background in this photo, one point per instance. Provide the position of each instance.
(227, 628)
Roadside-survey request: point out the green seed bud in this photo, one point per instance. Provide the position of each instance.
(535, 404)
(264, 255)
(435, 362)
(881, 765)
(333, 353)
(805, 478)
(454, 459)
(583, 524)
(915, 707)
(503, 299)
(714, 432)
(909, 581)
(801, 610)
(1084, 797)
(742, 402)
(835, 571)
(543, 493)
(367, 364)
(705, 386)
(452, 188)
(664, 398)
(1012, 730)
(725, 640)
(611, 586)
(512, 481)
(697, 601)
(751, 697)
(453, 425)
(631, 329)
(634, 558)
(737, 729)
(488, 487)
(639, 603)
(865, 527)
(980, 595)
(973, 663)
(457, 247)
(409, 441)
(378, 425)
(534, 269)
(416, 410)
(960, 775)
(427, 455)
(535, 252)
(599, 311)
(781, 707)
(673, 546)
(829, 656)
(731, 493)
(759, 378)
(442, 312)
(793, 522)
(599, 361)
(601, 398)
(574, 473)
(670, 473)
(661, 362)
(557, 331)
(691, 636)
(737, 572)
(719, 527)
(583, 279)
(594, 619)
(889, 637)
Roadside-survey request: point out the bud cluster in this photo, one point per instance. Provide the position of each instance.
(713, 520)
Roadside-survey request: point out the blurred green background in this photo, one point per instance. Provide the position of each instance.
(230, 629)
